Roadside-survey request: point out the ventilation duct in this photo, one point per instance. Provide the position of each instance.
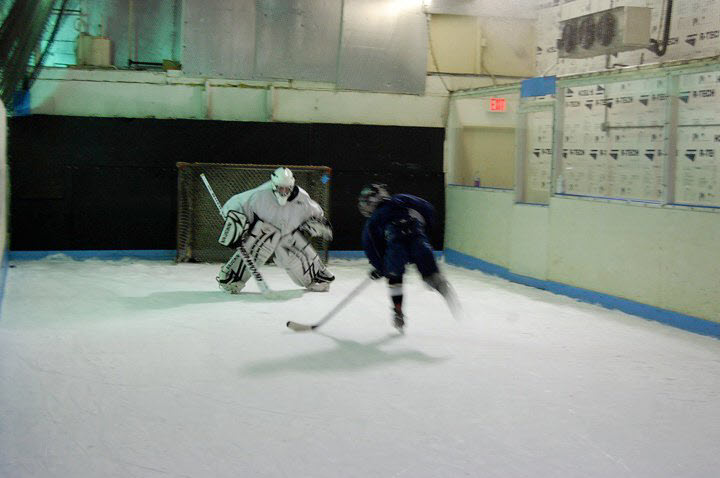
(605, 32)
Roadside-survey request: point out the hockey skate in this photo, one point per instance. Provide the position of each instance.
(231, 287)
(321, 282)
(398, 320)
(229, 277)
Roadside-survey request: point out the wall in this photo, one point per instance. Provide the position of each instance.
(146, 31)
(377, 45)
(694, 33)
(522, 9)
(479, 223)
(481, 142)
(111, 183)
(665, 257)
(502, 54)
(137, 94)
(4, 196)
(510, 55)
(658, 261)
(91, 107)
(529, 240)
(480, 45)
(488, 157)
(661, 256)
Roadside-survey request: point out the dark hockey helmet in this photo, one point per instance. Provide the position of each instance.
(370, 196)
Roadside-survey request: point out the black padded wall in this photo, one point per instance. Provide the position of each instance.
(111, 183)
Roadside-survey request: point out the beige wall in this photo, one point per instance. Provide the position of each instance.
(137, 94)
(488, 154)
(481, 45)
(478, 222)
(456, 44)
(509, 46)
(660, 256)
(669, 258)
(481, 141)
(529, 240)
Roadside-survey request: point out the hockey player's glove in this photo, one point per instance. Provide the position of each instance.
(317, 227)
(375, 274)
(235, 225)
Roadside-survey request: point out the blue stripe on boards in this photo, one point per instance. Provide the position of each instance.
(154, 254)
(669, 317)
(361, 255)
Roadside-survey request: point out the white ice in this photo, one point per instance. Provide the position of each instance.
(138, 368)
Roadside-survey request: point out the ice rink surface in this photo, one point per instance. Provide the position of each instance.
(137, 368)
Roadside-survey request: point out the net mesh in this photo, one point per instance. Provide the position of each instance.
(199, 223)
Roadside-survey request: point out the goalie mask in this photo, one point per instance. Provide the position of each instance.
(370, 196)
(283, 184)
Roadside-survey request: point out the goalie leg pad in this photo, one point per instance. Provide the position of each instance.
(233, 230)
(230, 278)
(302, 263)
(260, 244)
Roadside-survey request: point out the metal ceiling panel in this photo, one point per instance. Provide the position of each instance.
(384, 46)
(219, 38)
(298, 39)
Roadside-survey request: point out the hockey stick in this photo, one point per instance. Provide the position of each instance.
(243, 253)
(298, 327)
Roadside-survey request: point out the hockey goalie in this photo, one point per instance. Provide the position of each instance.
(276, 218)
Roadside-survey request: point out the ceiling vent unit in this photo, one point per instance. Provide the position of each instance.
(606, 32)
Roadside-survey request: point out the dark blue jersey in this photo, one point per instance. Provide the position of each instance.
(391, 224)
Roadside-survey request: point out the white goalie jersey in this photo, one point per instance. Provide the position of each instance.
(261, 203)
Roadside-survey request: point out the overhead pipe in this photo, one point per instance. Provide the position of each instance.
(660, 47)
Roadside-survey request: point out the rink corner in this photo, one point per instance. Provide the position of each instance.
(675, 319)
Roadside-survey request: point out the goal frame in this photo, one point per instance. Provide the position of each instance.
(198, 224)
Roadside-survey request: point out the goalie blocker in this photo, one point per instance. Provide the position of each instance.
(233, 230)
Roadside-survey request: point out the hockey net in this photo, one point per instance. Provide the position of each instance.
(199, 223)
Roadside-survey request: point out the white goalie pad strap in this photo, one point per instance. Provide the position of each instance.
(297, 256)
(318, 227)
(235, 225)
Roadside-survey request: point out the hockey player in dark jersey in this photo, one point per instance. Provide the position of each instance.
(395, 234)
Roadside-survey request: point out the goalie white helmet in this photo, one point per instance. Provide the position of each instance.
(283, 184)
(370, 196)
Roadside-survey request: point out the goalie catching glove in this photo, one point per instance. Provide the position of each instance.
(235, 226)
(317, 227)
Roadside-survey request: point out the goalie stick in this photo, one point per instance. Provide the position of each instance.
(266, 291)
(298, 327)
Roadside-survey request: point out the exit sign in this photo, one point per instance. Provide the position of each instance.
(497, 104)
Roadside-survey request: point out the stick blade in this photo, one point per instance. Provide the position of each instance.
(297, 327)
